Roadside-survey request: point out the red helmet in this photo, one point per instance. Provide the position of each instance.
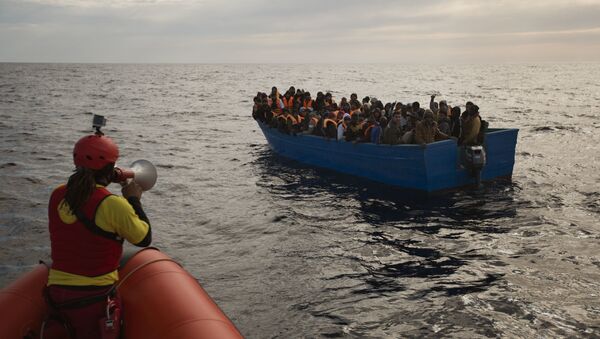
(95, 151)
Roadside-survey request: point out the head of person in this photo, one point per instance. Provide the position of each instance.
(94, 157)
(468, 106)
(347, 118)
(396, 117)
(377, 113)
(416, 106)
(443, 107)
(428, 116)
(366, 99)
(353, 96)
(343, 101)
(455, 112)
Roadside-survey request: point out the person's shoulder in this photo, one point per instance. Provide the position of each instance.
(115, 201)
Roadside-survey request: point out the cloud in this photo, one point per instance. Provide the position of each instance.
(307, 31)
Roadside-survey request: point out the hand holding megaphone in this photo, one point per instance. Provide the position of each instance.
(141, 171)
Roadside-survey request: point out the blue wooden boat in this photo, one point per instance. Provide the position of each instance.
(435, 167)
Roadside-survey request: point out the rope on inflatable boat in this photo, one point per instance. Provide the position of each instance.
(121, 281)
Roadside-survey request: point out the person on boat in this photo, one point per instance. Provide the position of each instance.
(256, 110)
(275, 101)
(366, 101)
(353, 131)
(455, 125)
(307, 102)
(354, 99)
(470, 127)
(376, 131)
(343, 125)
(427, 130)
(367, 129)
(288, 100)
(329, 102)
(377, 114)
(87, 226)
(443, 121)
(433, 106)
(319, 104)
(329, 128)
(345, 105)
(354, 109)
(393, 132)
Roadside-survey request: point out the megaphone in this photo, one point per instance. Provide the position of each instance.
(141, 171)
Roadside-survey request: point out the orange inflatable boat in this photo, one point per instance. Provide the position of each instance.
(161, 301)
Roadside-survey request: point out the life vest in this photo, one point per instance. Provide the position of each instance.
(277, 109)
(314, 121)
(78, 249)
(307, 103)
(367, 133)
(355, 111)
(288, 103)
(328, 122)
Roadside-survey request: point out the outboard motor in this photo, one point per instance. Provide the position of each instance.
(475, 159)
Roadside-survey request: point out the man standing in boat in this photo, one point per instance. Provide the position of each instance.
(87, 226)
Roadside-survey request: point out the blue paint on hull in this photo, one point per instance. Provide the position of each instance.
(431, 168)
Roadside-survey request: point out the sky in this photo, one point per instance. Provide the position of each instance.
(307, 31)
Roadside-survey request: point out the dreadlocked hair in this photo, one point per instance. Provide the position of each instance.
(82, 183)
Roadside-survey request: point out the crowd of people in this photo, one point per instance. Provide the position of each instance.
(369, 119)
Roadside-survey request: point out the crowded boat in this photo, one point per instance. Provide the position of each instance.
(369, 120)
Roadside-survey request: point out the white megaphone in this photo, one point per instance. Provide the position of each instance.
(141, 171)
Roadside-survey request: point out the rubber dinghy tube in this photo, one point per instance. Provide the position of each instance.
(161, 300)
(22, 305)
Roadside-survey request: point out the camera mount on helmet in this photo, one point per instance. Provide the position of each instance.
(98, 122)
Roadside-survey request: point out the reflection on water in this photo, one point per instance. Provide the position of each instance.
(412, 242)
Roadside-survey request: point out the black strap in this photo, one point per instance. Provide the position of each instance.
(79, 302)
(92, 227)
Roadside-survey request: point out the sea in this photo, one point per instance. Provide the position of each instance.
(292, 251)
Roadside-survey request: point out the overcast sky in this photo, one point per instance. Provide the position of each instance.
(303, 31)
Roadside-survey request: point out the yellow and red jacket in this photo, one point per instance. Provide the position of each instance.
(86, 256)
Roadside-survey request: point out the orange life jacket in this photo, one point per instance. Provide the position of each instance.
(276, 111)
(307, 103)
(288, 103)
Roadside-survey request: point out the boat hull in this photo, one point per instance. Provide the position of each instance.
(434, 167)
(160, 300)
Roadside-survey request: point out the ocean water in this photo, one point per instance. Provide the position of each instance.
(290, 251)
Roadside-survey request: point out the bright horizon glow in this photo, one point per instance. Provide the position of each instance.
(257, 31)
